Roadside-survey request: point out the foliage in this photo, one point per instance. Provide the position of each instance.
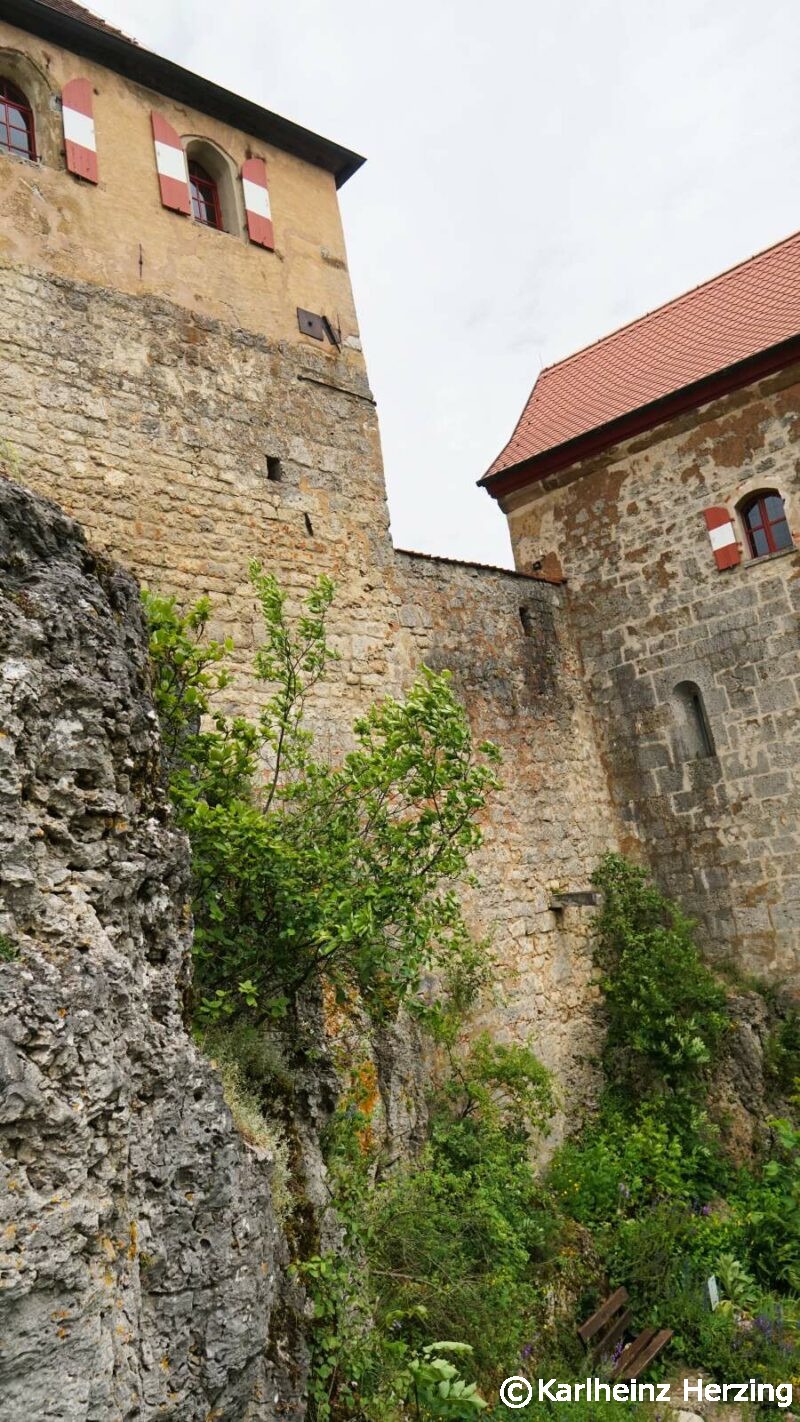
(360, 1370)
(666, 1011)
(622, 1164)
(772, 1203)
(782, 1052)
(437, 1390)
(648, 1177)
(457, 1238)
(245, 1103)
(9, 950)
(347, 873)
(727, 1344)
(470, 1241)
(739, 1287)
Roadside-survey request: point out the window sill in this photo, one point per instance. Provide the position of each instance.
(769, 557)
(21, 158)
(217, 231)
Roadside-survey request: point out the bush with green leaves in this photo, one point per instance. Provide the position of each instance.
(623, 1163)
(782, 1053)
(457, 1238)
(770, 1200)
(667, 1016)
(306, 871)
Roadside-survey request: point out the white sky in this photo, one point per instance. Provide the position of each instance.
(538, 174)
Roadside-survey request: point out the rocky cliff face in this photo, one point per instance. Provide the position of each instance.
(142, 1266)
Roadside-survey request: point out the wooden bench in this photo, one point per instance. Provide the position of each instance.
(608, 1325)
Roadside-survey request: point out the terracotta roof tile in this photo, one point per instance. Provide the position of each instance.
(79, 12)
(744, 311)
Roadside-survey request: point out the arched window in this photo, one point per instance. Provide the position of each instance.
(17, 133)
(205, 196)
(213, 186)
(764, 519)
(694, 738)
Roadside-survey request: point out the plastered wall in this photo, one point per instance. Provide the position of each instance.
(119, 235)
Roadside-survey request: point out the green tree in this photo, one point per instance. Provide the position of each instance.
(667, 1015)
(304, 870)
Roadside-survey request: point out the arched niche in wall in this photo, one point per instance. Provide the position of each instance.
(694, 739)
(20, 71)
(223, 172)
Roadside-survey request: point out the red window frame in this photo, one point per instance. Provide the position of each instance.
(205, 197)
(757, 519)
(13, 99)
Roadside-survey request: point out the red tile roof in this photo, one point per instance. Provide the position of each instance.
(79, 12)
(736, 315)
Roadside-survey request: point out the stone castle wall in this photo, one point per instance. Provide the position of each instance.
(152, 426)
(507, 642)
(650, 610)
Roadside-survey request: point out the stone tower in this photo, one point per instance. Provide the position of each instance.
(183, 374)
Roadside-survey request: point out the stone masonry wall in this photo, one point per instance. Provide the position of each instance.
(152, 426)
(650, 610)
(506, 640)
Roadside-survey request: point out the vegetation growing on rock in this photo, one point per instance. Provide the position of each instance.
(449, 1269)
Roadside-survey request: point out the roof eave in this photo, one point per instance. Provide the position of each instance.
(638, 421)
(174, 82)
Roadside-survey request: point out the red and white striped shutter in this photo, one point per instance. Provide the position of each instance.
(173, 175)
(79, 135)
(722, 535)
(256, 203)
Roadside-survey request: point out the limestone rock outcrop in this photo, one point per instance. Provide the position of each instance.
(141, 1265)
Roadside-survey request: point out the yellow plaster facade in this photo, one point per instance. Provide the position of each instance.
(118, 234)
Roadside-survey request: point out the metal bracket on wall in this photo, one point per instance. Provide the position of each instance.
(310, 324)
(318, 327)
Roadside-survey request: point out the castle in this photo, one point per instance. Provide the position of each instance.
(182, 373)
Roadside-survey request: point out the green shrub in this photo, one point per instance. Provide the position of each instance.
(770, 1200)
(667, 1017)
(457, 1240)
(624, 1162)
(727, 1346)
(344, 874)
(9, 950)
(347, 876)
(782, 1053)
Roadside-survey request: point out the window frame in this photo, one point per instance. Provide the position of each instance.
(222, 170)
(209, 189)
(757, 500)
(12, 96)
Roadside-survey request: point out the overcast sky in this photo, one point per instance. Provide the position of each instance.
(537, 175)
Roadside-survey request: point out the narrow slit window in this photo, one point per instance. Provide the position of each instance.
(695, 740)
